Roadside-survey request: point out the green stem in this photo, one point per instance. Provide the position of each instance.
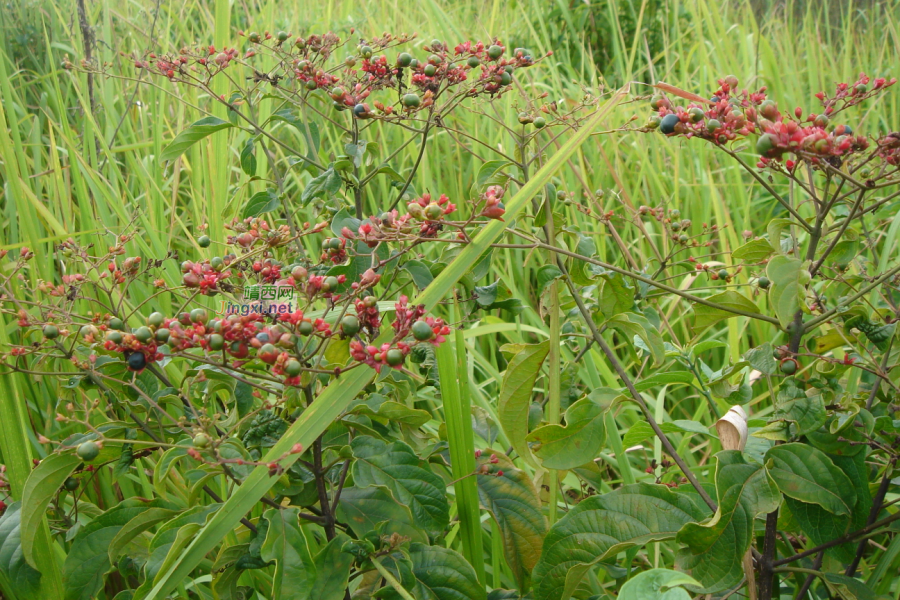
(392, 581)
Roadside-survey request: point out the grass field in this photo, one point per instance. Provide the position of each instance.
(79, 154)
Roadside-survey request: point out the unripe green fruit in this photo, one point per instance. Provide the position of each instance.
(422, 331)
(365, 51)
(216, 342)
(411, 100)
(433, 212)
(71, 484)
(292, 368)
(349, 325)
(495, 52)
(155, 319)
(394, 357)
(696, 114)
(217, 263)
(162, 335)
(712, 125)
(116, 323)
(763, 282)
(50, 332)
(114, 336)
(723, 274)
(540, 122)
(789, 366)
(473, 62)
(282, 36)
(505, 78)
(143, 334)
(370, 301)
(203, 241)
(430, 70)
(305, 328)
(764, 144)
(199, 315)
(404, 59)
(201, 440)
(88, 451)
(254, 37)
(330, 284)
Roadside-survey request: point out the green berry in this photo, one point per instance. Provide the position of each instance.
(216, 342)
(473, 62)
(765, 144)
(539, 122)
(394, 357)
(114, 336)
(365, 51)
(422, 331)
(201, 440)
(155, 319)
(217, 263)
(433, 212)
(254, 37)
(696, 114)
(370, 301)
(292, 368)
(723, 274)
(495, 52)
(330, 284)
(50, 332)
(763, 282)
(404, 59)
(199, 315)
(203, 241)
(411, 100)
(116, 323)
(349, 325)
(305, 328)
(88, 451)
(712, 125)
(162, 335)
(430, 70)
(788, 366)
(505, 78)
(282, 36)
(143, 334)
(71, 484)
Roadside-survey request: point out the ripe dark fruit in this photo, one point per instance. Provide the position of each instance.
(88, 451)
(71, 484)
(162, 335)
(143, 334)
(203, 241)
(50, 332)
(540, 122)
(360, 111)
(394, 357)
(199, 315)
(216, 342)
(763, 282)
(667, 123)
(495, 52)
(788, 366)
(292, 368)
(404, 59)
(137, 361)
(116, 323)
(349, 325)
(723, 274)
(305, 328)
(429, 70)
(422, 331)
(155, 319)
(201, 440)
(473, 62)
(411, 100)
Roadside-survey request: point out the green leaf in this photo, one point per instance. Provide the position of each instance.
(336, 397)
(546, 275)
(515, 396)
(754, 251)
(639, 327)
(326, 185)
(715, 548)
(260, 203)
(775, 229)
(332, 570)
(40, 487)
(397, 467)
(364, 508)
(248, 159)
(490, 173)
(580, 440)
(660, 379)
(285, 543)
(616, 294)
(657, 584)
(808, 475)
(807, 412)
(393, 412)
(785, 293)
(439, 574)
(193, 134)
(602, 526)
(421, 276)
(641, 431)
(706, 316)
(24, 581)
(137, 525)
(842, 587)
(762, 359)
(88, 559)
(514, 503)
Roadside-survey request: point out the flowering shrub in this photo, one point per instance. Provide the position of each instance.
(284, 414)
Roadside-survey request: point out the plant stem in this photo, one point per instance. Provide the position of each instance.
(392, 581)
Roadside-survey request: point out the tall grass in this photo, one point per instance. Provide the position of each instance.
(67, 170)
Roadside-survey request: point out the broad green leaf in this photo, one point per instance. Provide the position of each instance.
(332, 570)
(490, 173)
(657, 584)
(40, 487)
(705, 316)
(546, 275)
(88, 559)
(641, 430)
(774, 230)
(616, 294)
(806, 412)
(842, 587)
(364, 508)
(514, 503)
(338, 396)
(260, 203)
(515, 396)
(438, 574)
(715, 548)
(785, 293)
(421, 276)
(639, 327)
(602, 526)
(753, 251)
(24, 581)
(762, 359)
(393, 412)
(582, 437)
(193, 134)
(248, 159)
(808, 475)
(137, 525)
(168, 543)
(325, 185)
(666, 378)
(397, 467)
(285, 543)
